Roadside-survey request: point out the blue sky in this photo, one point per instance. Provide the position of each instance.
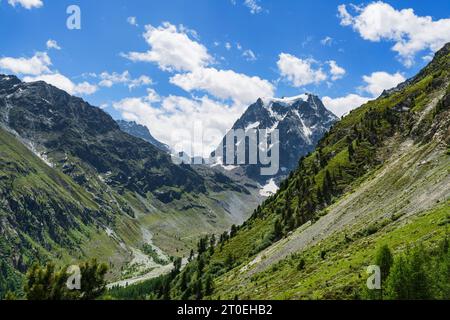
(168, 64)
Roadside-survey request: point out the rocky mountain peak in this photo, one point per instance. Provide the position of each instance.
(301, 121)
(140, 131)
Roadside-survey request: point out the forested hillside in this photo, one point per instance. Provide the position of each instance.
(379, 177)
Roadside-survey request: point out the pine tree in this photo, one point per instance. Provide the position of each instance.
(408, 278)
(198, 288)
(209, 285)
(48, 283)
(277, 230)
(233, 231)
(93, 282)
(384, 260)
(183, 281)
(229, 261)
(202, 245)
(177, 263)
(191, 255)
(351, 151)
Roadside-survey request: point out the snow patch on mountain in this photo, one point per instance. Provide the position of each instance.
(301, 121)
(287, 101)
(269, 189)
(253, 125)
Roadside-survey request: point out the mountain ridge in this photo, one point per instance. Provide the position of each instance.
(378, 177)
(134, 195)
(301, 121)
(140, 131)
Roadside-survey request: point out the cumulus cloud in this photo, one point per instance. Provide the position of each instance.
(299, 72)
(110, 79)
(27, 4)
(141, 81)
(52, 44)
(377, 82)
(225, 84)
(35, 65)
(336, 71)
(222, 97)
(346, 18)
(37, 68)
(203, 118)
(410, 33)
(343, 105)
(172, 49)
(62, 82)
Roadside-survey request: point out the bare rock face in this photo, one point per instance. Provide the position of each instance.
(301, 122)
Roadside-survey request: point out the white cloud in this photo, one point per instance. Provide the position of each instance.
(188, 31)
(336, 71)
(184, 117)
(172, 49)
(110, 79)
(141, 81)
(410, 33)
(35, 65)
(377, 82)
(343, 105)
(228, 46)
(299, 72)
(225, 84)
(37, 68)
(346, 18)
(84, 88)
(253, 5)
(428, 57)
(62, 82)
(249, 55)
(132, 21)
(27, 4)
(327, 41)
(52, 44)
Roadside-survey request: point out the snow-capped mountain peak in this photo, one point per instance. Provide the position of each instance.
(301, 122)
(286, 101)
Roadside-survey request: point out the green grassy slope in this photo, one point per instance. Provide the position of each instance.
(44, 214)
(380, 176)
(73, 185)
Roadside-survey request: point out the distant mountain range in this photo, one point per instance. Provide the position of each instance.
(75, 184)
(69, 174)
(374, 192)
(140, 131)
(301, 122)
